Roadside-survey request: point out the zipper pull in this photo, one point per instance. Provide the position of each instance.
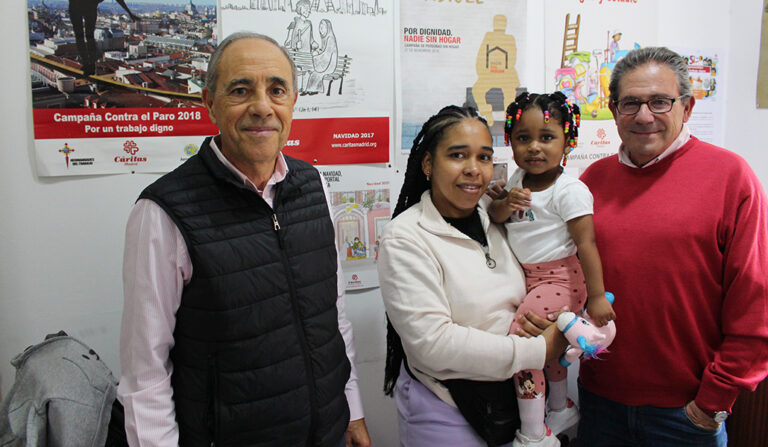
(277, 230)
(489, 261)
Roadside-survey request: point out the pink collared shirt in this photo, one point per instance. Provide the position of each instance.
(681, 139)
(156, 266)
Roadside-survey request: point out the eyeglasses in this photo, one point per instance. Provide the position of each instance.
(655, 105)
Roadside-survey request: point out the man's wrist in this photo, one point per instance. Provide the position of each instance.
(716, 415)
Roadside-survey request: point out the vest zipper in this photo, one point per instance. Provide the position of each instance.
(277, 230)
(301, 334)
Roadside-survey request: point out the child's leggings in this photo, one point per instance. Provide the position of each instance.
(551, 285)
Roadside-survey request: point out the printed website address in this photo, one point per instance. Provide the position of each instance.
(356, 144)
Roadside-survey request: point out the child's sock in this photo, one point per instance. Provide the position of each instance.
(531, 417)
(558, 395)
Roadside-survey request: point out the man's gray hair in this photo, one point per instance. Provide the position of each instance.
(651, 55)
(213, 65)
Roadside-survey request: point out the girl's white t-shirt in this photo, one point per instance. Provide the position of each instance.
(540, 234)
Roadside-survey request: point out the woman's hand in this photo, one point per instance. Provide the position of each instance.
(496, 190)
(532, 325)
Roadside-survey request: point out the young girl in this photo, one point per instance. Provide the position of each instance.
(548, 217)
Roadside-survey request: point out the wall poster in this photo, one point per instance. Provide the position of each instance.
(762, 70)
(343, 51)
(707, 83)
(462, 53)
(581, 50)
(360, 207)
(115, 86)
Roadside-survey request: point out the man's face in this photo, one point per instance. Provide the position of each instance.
(645, 134)
(253, 104)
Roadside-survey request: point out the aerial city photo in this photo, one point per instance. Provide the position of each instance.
(118, 53)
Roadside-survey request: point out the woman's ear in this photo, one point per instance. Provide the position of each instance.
(426, 164)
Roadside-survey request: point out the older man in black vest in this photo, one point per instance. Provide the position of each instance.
(233, 327)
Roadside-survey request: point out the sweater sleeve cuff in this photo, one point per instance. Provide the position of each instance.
(530, 353)
(715, 396)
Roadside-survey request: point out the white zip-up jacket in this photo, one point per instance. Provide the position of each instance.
(451, 310)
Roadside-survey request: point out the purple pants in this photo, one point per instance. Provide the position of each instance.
(426, 421)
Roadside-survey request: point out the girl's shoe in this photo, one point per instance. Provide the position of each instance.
(548, 440)
(562, 419)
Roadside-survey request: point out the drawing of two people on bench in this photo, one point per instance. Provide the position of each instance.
(323, 55)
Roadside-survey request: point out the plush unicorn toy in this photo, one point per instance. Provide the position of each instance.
(584, 337)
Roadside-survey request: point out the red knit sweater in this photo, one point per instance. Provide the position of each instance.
(684, 248)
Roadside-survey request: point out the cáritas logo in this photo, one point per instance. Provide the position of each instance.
(131, 148)
(602, 140)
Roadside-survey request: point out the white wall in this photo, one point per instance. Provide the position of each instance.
(745, 124)
(61, 238)
(733, 26)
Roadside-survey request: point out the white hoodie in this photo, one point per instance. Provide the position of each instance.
(451, 310)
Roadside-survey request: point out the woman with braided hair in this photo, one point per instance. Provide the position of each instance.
(451, 286)
(548, 217)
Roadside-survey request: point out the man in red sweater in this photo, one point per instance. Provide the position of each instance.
(681, 226)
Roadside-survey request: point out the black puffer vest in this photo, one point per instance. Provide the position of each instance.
(258, 357)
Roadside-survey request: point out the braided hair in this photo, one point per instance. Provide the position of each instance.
(555, 104)
(414, 185)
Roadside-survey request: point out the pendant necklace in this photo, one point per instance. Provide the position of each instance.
(489, 261)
